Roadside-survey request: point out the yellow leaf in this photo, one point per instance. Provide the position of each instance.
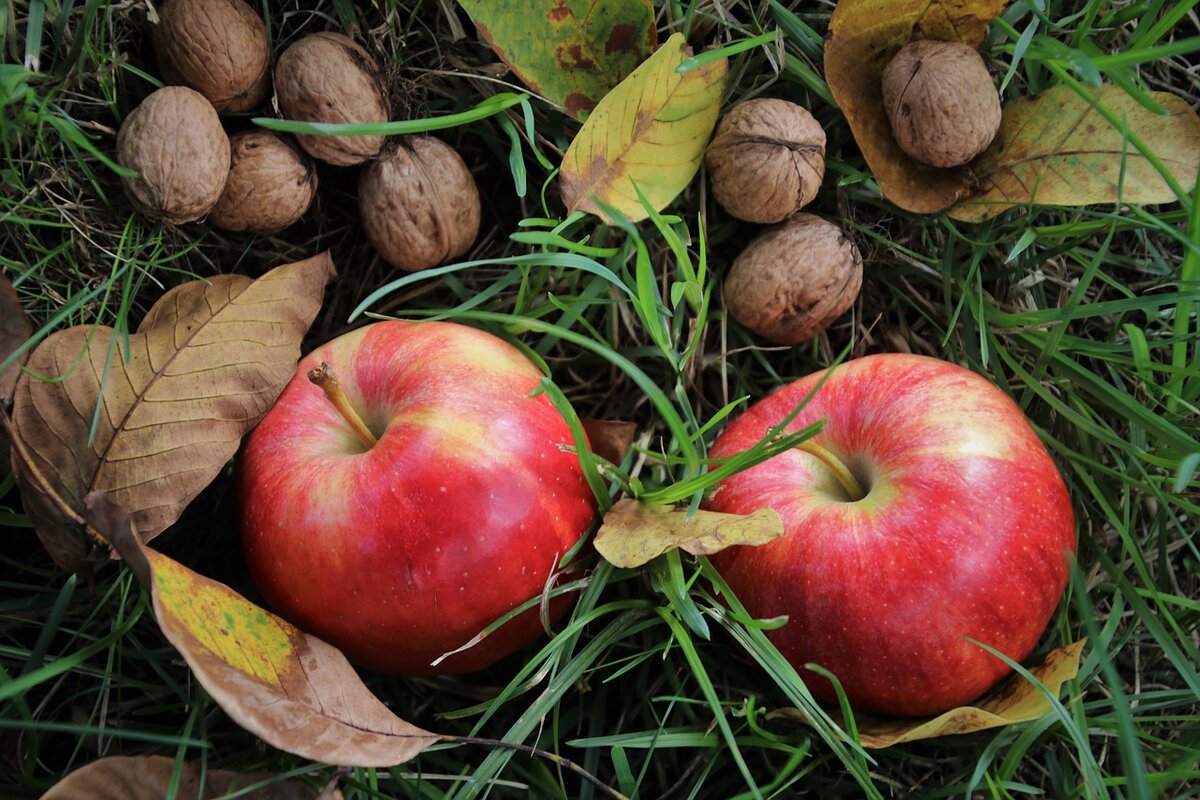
(634, 533)
(863, 37)
(650, 131)
(291, 689)
(1056, 149)
(1015, 701)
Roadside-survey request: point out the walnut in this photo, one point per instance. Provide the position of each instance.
(767, 160)
(419, 203)
(794, 279)
(941, 101)
(327, 77)
(270, 186)
(175, 142)
(217, 47)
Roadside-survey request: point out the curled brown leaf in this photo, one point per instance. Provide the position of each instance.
(149, 778)
(634, 533)
(152, 418)
(1016, 700)
(291, 689)
(863, 37)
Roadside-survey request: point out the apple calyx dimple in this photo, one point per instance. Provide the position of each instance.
(854, 489)
(323, 377)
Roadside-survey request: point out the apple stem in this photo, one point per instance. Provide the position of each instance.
(323, 376)
(850, 483)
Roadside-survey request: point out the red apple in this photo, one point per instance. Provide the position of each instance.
(401, 550)
(964, 529)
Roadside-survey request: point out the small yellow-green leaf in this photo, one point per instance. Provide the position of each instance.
(648, 133)
(572, 52)
(863, 37)
(634, 533)
(290, 689)
(1056, 149)
(149, 778)
(1017, 700)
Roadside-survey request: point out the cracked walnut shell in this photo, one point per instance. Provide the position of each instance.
(217, 47)
(175, 142)
(270, 186)
(794, 279)
(419, 203)
(941, 102)
(327, 77)
(766, 160)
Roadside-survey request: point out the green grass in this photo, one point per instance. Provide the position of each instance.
(1087, 317)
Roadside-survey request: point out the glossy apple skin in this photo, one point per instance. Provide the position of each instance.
(966, 531)
(459, 513)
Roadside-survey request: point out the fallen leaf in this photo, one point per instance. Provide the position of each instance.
(207, 362)
(1057, 150)
(610, 438)
(650, 131)
(291, 689)
(15, 329)
(1017, 700)
(863, 37)
(149, 778)
(634, 533)
(572, 52)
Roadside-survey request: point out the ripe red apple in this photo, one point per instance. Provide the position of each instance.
(964, 529)
(403, 549)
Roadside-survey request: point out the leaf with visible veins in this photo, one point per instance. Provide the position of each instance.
(647, 135)
(863, 37)
(572, 52)
(291, 689)
(151, 419)
(1056, 149)
(634, 533)
(1016, 700)
(149, 778)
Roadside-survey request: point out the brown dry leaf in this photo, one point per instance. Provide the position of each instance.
(863, 37)
(610, 438)
(634, 533)
(1057, 150)
(1017, 700)
(149, 778)
(291, 689)
(205, 365)
(15, 329)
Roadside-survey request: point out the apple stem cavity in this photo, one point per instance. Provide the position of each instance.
(854, 489)
(323, 376)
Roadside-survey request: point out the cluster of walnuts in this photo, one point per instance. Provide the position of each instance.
(767, 161)
(418, 200)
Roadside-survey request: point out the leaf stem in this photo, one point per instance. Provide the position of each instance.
(565, 763)
(850, 483)
(323, 376)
